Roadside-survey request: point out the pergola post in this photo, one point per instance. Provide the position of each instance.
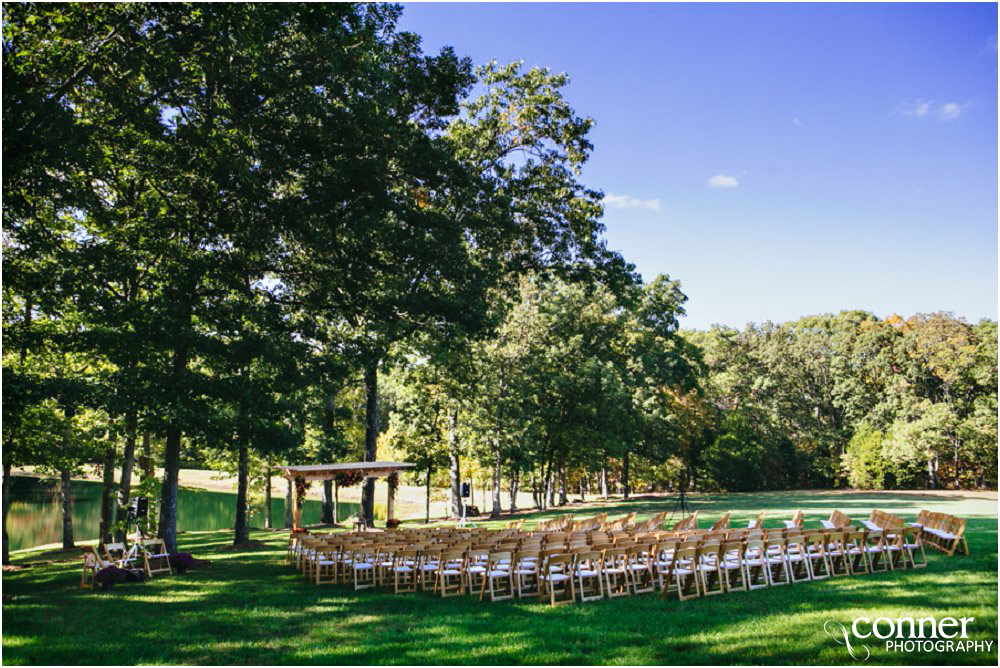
(296, 507)
(390, 500)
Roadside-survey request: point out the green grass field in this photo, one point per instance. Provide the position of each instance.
(251, 608)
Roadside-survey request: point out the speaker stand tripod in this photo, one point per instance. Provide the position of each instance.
(462, 523)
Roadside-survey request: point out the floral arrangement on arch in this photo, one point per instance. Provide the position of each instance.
(348, 478)
(393, 481)
(301, 487)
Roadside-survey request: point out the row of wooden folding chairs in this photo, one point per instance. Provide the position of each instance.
(688, 565)
(942, 531)
(880, 519)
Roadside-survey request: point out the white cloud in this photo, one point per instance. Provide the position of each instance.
(991, 45)
(723, 181)
(950, 111)
(943, 111)
(628, 202)
(797, 122)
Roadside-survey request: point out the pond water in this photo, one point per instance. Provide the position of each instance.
(35, 514)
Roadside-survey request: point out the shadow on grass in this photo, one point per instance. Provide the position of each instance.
(249, 607)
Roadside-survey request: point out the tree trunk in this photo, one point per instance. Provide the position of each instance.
(427, 507)
(146, 461)
(454, 465)
(242, 530)
(66, 491)
(625, 481)
(107, 494)
(495, 512)
(932, 470)
(128, 463)
(7, 485)
(583, 497)
(535, 496)
(515, 479)
(336, 502)
(957, 481)
(604, 479)
(267, 497)
(550, 490)
(327, 508)
(563, 498)
(371, 434)
(288, 505)
(172, 456)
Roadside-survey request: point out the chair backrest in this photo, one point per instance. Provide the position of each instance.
(589, 560)
(685, 554)
(558, 563)
(155, 546)
(722, 522)
(734, 548)
(91, 559)
(114, 551)
(754, 547)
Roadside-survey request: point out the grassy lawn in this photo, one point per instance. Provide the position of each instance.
(251, 608)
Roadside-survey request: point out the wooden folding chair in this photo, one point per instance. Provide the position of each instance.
(855, 547)
(732, 556)
(710, 569)
(450, 575)
(498, 571)
(589, 579)
(876, 551)
(155, 558)
(639, 566)
(362, 566)
(755, 564)
(524, 568)
(92, 565)
(684, 573)
(840, 561)
(913, 541)
(797, 557)
(405, 563)
(614, 565)
(556, 579)
(775, 562)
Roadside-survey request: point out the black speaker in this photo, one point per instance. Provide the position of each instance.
(141, 505)
(465, 490)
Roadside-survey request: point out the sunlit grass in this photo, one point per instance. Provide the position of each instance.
(249, 607)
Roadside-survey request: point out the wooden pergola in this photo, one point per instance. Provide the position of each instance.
(330, 471)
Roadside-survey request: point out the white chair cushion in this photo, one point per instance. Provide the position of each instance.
(790, 524)
(827, 524)
(872, 526)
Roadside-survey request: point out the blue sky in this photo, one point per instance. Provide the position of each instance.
(780, 160)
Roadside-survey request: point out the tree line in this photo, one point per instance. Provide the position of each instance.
(236, 236)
